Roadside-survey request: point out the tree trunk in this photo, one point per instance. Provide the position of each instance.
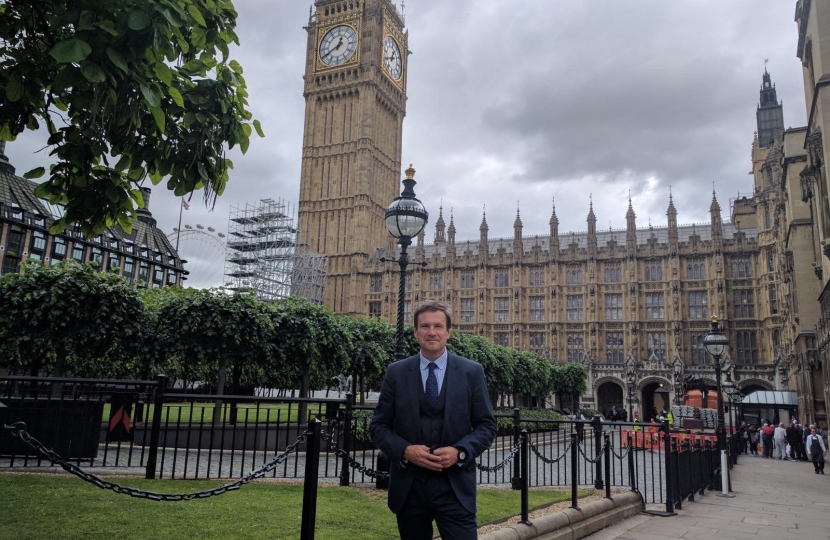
(59, 371)
(235, 389)
(362, 390)
(220, 389)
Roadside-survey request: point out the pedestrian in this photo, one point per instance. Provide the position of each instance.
(623, 415)
(743, 437)
(754, 437)
(636, 420)
(433, 419)
(580, 427)
(614, 415)
(670, 418)
(780, 439)
(800, 449)
(793, 438)
(816, 450)
(766, 439)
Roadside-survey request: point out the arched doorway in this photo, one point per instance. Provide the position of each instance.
(654, 398)
(609, 394)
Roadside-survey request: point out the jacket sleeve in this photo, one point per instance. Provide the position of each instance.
(382, 428)
(481, 417)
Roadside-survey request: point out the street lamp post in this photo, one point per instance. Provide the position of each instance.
(406, 217)
(715, 343)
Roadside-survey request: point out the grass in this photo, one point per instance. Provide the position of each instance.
(64, 508)
(246, 412)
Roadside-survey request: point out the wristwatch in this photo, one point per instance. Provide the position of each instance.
(462, 455)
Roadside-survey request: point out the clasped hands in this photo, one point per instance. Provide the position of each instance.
(437, 460)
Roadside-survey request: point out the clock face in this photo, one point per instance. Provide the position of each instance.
(338, 45)
(392, 58)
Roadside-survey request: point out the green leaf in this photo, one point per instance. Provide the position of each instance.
(116, 58)
(196, 14)
(93, 72)
(258, 128)
(235, 67)
(107, 26)
(138, 20)
(35, 173)
(14, 90)
(149, 94)
(176, 96)
(163, 72)
(159, 117)
(70, 50)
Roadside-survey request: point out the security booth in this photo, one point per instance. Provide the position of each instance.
(772, 406)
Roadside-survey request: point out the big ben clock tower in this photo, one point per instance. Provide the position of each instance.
(355, 92)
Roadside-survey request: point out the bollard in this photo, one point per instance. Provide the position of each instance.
(632, 477)
(597, 445)
(574, 470)
(607, 455)
(516, 481)
(312, 464)
(347, 434)
(525, 477)
(155, 430)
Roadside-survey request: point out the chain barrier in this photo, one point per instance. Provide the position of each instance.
(508, 459)
(18, 429)
(354, 464)
(589, 460)
(621, 455)
(549, 461)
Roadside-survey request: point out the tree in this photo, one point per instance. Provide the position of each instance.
(569, 381)
(373, 347)
(70, 317)
(144, 88)
(214, 330)
(312, 344)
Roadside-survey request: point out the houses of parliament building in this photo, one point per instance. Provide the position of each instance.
(632, 305)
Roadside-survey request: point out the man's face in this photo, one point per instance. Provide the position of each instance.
(432, 333)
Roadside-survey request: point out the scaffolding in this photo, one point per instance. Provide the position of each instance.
(263, 255)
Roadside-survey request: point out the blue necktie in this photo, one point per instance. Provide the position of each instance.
(432, 386)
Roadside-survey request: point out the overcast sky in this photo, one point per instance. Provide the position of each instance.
(518, 102)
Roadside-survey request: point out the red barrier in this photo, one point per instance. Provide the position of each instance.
(652, 438)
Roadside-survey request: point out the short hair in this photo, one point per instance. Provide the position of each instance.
(433, 305)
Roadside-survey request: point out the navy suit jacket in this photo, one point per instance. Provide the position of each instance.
(469, 423)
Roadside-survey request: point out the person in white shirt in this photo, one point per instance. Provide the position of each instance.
(816, 450)
(780, 439)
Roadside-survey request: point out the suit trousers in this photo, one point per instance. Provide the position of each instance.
(781, 448)
(432, 497)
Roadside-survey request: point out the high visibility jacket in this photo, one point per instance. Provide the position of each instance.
(670, 418)
(637, 421)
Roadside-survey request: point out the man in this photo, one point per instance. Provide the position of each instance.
(613, 415)
(433, 419)
(743, 437)
(793, 438)
(780, 438)
(816, 449)
(766, 439)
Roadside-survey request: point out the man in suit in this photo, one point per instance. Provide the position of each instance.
(433, 419)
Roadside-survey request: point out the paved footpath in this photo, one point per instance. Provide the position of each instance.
(774, 500)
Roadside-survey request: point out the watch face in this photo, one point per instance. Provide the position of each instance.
(392, 57)
(338, 45)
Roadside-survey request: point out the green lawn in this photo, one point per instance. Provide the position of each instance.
(58, 507)
(203, 412)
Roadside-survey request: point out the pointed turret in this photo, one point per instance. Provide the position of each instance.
(592, 228)
(630, 227)
(482, 243)
(717, 222)
(672, 215)
(518, 247)
(451, 239)
(553, 247)
(770, 113)
(439, 226)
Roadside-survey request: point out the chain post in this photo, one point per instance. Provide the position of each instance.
(597, 421)
(607, 452)
(632, 474)
(312, 464)
(516, 481)
(525, 458)
(155, 430)
(667, 458)
(574, 470)
(347, 433)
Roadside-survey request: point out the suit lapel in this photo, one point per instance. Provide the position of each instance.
(451, 388)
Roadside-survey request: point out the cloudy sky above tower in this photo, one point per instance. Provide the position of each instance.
(520, 102)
